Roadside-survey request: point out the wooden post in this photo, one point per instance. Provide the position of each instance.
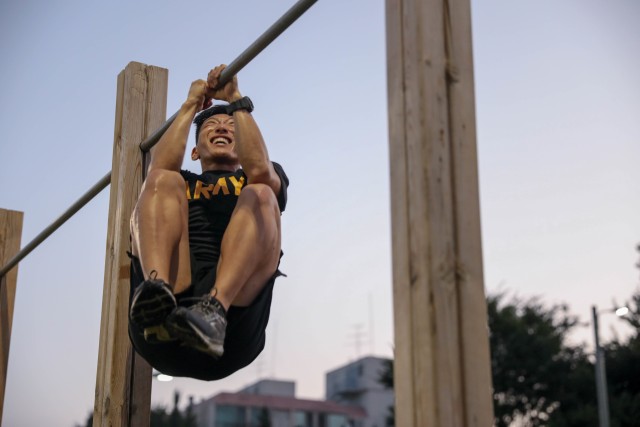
(442, 364)
(123, 384)
(10, 235)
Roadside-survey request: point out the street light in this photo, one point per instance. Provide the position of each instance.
(601, 374)
(161, 377)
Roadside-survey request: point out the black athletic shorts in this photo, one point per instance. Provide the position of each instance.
(244, 340)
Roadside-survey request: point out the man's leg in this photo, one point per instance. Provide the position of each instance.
(249, 257)
(160, 229)
(160, 240)
(250, 248)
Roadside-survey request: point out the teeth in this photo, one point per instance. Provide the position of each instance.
(220, 140)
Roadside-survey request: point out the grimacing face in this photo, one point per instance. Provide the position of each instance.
(216, 141)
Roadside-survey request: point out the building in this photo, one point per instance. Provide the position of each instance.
(358, 384)
(273, 403)
(354, 398)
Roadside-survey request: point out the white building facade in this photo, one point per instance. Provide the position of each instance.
(358, 384)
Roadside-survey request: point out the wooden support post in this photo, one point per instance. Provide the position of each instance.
(10, 236)
(123, 384)
(442, 364)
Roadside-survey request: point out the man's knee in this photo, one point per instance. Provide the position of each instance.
(259, 196)
(163, 180)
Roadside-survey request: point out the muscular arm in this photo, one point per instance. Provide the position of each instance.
(252, 152)
(169, 151)
(250, 146)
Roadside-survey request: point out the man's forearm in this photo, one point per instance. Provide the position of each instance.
(252, 151)
(169, 151)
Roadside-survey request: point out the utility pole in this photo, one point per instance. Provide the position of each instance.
(601, 375)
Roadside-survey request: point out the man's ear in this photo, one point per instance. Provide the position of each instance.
(194, 154)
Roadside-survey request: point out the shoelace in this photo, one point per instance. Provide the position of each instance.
(207, 300)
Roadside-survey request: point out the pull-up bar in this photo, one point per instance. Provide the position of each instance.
(243, 59)
(232, 69)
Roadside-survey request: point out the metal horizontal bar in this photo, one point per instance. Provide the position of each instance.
(232, 69)
(243, 59)
(79, 204)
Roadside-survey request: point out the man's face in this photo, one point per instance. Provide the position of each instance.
(216, 141)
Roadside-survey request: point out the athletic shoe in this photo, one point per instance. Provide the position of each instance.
(201, 326)
(152, 303)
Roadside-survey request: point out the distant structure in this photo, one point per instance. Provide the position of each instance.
(273, 403)
(358, 384)
(354, 398)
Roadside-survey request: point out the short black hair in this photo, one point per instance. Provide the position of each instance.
(205, 114)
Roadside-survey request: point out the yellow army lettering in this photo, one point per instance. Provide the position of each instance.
(237, 185)
(211, 189)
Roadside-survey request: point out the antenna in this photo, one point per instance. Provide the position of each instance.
(372, 335)
(259, 364)
(274, 356)
(356, 337)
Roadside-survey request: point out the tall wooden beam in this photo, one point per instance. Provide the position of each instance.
(10, 236)
(442, 364)
(123, 384)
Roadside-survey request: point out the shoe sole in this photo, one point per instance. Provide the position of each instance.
(180, 327)
(151, 307)
(158, 335)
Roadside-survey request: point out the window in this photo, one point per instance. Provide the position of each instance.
(335, 420)
(302, 419)
(230, 416)
(259, 417)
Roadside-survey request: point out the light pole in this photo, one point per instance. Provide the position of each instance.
(161, 377)
(601, 374)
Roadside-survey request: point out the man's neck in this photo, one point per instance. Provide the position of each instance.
(219, 166)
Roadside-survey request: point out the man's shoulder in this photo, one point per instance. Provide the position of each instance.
(188, 175)
(281, 173)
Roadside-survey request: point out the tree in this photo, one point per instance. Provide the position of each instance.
(623, 371)
(264, 420)
(161, 417)
(386, 380)
(189, 417)
(537, 378)
(88, 422)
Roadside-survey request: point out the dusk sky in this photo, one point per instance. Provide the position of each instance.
(558, 120)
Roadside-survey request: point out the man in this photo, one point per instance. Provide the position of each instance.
(206, 248)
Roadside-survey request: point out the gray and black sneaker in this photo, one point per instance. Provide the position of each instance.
(201, 326)
(152, 303)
